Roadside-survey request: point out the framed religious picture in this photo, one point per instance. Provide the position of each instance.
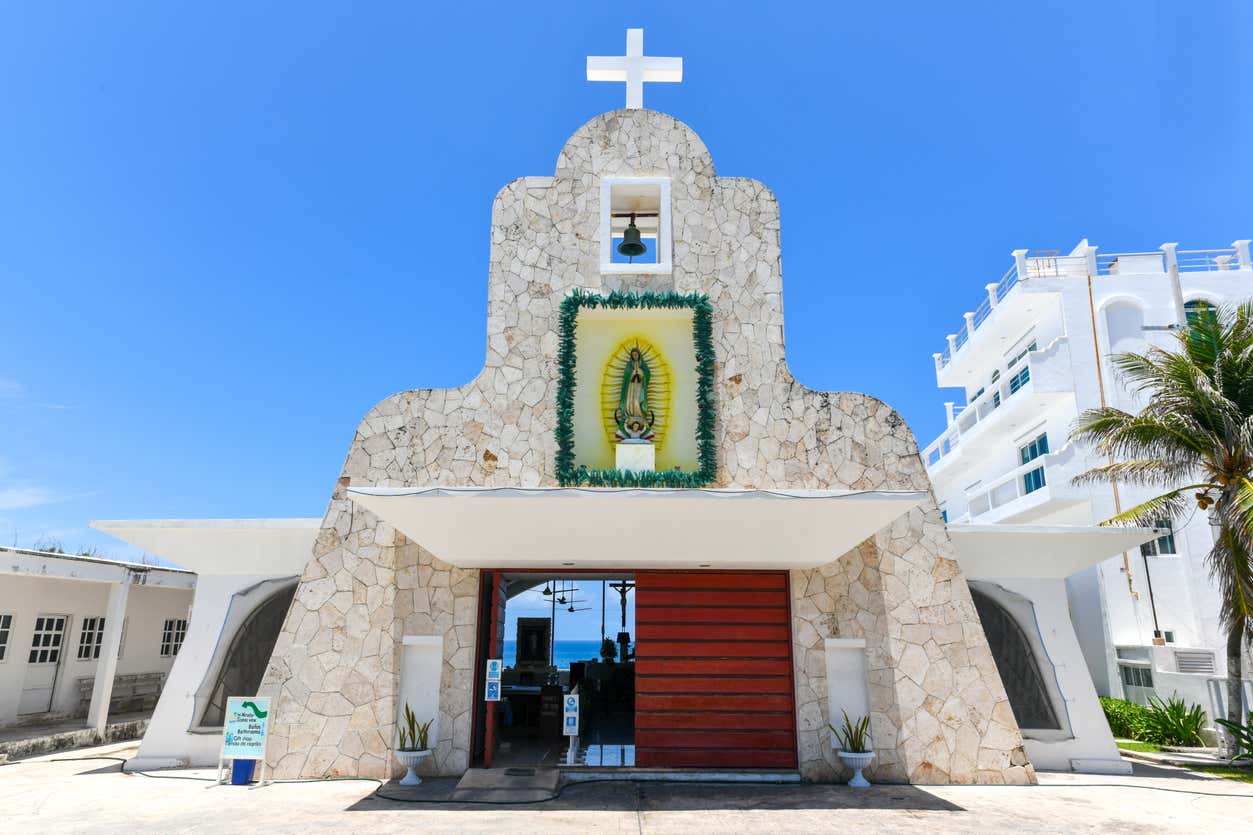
(533, 642)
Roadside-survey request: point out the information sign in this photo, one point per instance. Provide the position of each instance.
(570, 713)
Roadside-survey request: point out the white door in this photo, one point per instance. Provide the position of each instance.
(47, 646)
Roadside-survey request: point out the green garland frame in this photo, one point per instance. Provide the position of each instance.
(569, 475)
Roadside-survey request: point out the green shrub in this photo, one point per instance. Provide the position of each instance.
(1175, 723)
(1242, 736)
(1127, 720)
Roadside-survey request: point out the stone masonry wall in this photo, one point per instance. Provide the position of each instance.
(335, 669)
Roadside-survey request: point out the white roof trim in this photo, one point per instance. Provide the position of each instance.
(1039, 551)
(627, 528)
(253, 547)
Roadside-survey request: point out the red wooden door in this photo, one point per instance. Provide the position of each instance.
(713, 667)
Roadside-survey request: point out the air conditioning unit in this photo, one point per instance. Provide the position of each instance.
(1194, 661)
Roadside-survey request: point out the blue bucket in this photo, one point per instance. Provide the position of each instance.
(241, 772)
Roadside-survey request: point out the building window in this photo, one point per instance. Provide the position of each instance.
(90, 639)
(1018, 356)
(1197, 308)
(1033, 480)
(1163, 545)
(1169, 636)
(1017, 665)
(6, 627)
(249, 654)
(172, 637)
(1020, 379)
(45, 644)
(1135, 676)
(1033, 450)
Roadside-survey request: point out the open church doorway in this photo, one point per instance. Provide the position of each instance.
(559, 635)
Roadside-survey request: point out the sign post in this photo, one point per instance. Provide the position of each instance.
(570, 723)
(244, 732)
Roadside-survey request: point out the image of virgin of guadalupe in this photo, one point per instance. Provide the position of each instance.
(634, 418)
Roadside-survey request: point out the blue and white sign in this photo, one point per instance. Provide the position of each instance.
(570, 711)
(493, 691)
(247, 720)
(493, 669)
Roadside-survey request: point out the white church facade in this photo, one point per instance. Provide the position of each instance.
(636, 428)
(1030, 358)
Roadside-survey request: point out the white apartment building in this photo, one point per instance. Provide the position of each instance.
(1030, 358)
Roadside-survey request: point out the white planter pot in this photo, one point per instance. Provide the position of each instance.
(857, 762)
(410, 760)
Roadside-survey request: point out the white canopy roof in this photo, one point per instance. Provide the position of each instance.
(277, 547)
(599, 527)
(1045, 551)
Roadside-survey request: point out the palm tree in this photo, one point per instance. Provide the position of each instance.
(1197, 430)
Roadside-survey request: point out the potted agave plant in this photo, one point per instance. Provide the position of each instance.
(853, 746)
(414, 746)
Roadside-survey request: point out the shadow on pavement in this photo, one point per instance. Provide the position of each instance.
(622, 795)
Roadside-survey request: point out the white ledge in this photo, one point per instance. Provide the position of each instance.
(606, 527)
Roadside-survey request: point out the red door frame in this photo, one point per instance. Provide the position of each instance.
(493, 649)
(482, 652)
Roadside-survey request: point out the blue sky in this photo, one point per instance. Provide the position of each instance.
(227, 230)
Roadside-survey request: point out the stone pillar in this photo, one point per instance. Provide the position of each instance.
(993, 301)
(102, 687)
(938, 709)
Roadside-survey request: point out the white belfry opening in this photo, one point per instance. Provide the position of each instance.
(634, 69)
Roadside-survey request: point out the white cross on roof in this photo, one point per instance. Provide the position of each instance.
(634, 69)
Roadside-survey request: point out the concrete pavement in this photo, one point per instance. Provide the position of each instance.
(42, 795)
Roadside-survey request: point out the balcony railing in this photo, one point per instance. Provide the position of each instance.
(1052, 265)
(1033, 478)
(966, 417)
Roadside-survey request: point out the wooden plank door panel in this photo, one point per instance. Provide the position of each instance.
(713, 670)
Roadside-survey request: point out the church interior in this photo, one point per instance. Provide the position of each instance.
(548, 658)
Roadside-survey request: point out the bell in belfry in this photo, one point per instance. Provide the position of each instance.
(631, 245)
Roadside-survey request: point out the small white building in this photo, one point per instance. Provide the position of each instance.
(1031, 356)
(80, 636)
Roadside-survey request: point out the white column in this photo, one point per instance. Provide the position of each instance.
(991, 288)
(970, 324)
(1091, 256)
(1242, 253)
(102, 688)
(1176, 288)
(952, 344)
(948, 412)
(1020, 262)
(939, 362)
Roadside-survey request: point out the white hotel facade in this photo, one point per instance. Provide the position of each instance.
(1030, 358)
